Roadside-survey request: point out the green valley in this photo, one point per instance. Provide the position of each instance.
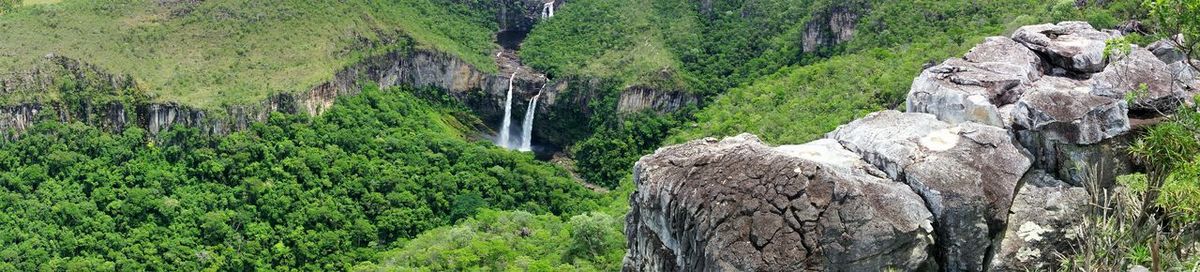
(599, 135)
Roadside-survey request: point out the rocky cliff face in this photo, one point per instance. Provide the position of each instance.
(68, 80)
(482, 91)
(833, 26)
(994, 151)
(635, 99)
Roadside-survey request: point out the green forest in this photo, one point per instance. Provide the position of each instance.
(406, 178)
(310, 194)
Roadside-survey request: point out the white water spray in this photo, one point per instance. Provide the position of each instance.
(503, 140)
(527, 127)
(548, 10)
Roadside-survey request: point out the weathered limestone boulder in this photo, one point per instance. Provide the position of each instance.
(1044, 216)
(1074, 46)
(1143, 77)
(966, 173)
(1166, 50)
(1065, 110)
(1003, 50)
(1078, 164)
(739, 205)
(1178, 66)
(993, 74)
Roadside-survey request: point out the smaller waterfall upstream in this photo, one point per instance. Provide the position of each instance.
(548, 10)
(527, 127)
(503, 139)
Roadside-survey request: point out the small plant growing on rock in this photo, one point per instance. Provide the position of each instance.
(1182, 17)
(1150, 219)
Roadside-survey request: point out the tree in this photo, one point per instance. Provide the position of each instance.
(1182, 17)
(9, 5)
(592, 235)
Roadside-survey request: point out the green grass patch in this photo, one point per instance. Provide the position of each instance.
(618, 40)
(223, 52)
(802, 102)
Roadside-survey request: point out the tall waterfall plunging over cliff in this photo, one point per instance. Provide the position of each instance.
(548, 10)
(503, 139)
(527, 127)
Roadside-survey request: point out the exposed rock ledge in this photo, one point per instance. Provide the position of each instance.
(993, 152)
(483, 92)
(739, 205)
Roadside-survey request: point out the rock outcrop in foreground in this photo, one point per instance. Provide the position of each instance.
(985, 172)
(738, 204)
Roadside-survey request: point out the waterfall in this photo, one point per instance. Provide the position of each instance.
(548, 10)
(527, 127)
(503, 139)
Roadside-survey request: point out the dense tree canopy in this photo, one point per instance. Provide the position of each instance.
(309, 194)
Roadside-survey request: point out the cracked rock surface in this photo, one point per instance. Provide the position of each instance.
(1074, 46)
(1045, 215)
(740, 205)
(966, 173)
(992, 75)
(1065, 110)
(1147, 79)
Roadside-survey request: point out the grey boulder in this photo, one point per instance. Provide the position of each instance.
(993, 74)
(1166, 49)
(1144, 78)
(1065, 110)
(1044, 223)
(739, 205)
(966, 173)
(1074, 46)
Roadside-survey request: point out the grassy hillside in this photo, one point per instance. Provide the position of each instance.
(668, 44)
(710, 47)
(800, 103)
(621, 40)
(211, 53)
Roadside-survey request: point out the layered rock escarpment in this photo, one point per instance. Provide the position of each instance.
(996, 146)
(832, 26)
(637, 99)
(484, 92)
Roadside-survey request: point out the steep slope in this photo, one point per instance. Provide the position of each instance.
(237, 70)
(208, 54)
(693, 46)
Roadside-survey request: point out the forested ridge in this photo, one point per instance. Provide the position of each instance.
(311, 194)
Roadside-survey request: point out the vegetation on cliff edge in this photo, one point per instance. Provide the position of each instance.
(221, 52)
